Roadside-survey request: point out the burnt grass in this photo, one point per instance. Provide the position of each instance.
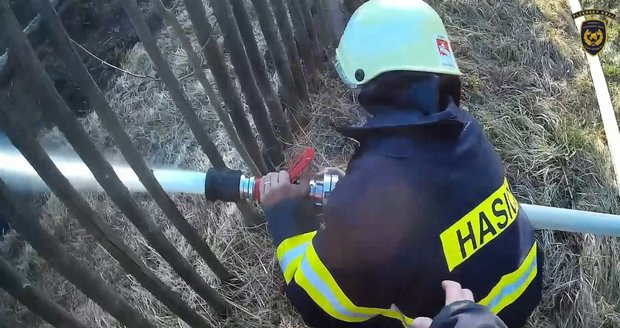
(101, 27)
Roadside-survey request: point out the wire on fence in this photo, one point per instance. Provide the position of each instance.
(111, 123)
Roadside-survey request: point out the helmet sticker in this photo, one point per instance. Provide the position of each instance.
(446, 57)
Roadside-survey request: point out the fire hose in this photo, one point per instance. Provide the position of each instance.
(233, 186)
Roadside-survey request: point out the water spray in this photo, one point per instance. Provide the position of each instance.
(233, 186)
(20, 176)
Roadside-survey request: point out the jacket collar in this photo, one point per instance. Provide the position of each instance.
(417, 106)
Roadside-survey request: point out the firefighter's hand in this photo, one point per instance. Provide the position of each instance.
(276, 187)
(454, 293)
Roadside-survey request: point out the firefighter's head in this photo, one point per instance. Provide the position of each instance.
(388, 38)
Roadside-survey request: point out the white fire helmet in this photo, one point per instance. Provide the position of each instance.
(393, 35)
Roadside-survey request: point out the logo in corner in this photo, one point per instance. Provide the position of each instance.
(594, 29)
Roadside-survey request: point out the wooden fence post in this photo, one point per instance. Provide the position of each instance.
(326, 24)
(180, 99)
(86, 216)
(49, 248)
(171, 82)
(288, 38)
(311, 30)
(57, 111)
(303, 42)
(255, 58)
(337, 18)
(319, 21)
(80, 73)
(281, 62)
(196, 64)
(32, 297)
(226, 88)
(247, 80)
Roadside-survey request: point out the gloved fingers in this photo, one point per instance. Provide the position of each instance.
(422, 322)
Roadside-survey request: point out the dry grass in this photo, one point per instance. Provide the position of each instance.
(525, 79)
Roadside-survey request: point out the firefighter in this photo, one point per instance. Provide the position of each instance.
(425, 197)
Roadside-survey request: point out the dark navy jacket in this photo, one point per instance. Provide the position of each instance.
(425, 199)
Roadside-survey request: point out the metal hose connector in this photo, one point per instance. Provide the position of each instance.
(246, 187)
(319, 189)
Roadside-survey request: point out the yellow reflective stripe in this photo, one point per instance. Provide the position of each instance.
(511, 286)
(293, 242)
(290, 252)
(479, 227)
(316, 280)
(321, 299)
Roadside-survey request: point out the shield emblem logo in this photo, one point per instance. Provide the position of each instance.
(593, 36)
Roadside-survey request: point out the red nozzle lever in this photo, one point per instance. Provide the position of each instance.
(304, 159)
(301, 164)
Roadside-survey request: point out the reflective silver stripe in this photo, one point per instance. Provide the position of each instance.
(510, 289)
(292, 254)
(322, 287)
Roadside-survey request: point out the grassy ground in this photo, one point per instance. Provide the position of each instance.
(525, 80)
